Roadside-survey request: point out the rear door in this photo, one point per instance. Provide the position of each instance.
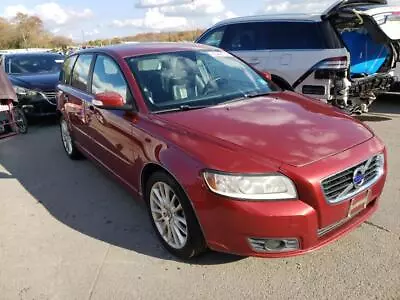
(74, 93)
(243, 40)
(286, 49)
(297, 46)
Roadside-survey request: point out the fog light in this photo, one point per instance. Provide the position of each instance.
(274, 245)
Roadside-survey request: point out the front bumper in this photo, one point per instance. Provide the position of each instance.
(38, 106)
(230, 225)
(240, 221)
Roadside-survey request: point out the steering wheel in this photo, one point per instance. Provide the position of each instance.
(211, 85)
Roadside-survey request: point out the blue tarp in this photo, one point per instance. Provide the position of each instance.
(366, 55)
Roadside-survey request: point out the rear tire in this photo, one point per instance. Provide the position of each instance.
(68, 141)
(172, 217)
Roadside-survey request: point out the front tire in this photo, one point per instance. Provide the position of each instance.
(21, 123)
(172, 217)
(67, 140)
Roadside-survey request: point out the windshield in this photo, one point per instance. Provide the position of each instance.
(195, 78)
(33, 64)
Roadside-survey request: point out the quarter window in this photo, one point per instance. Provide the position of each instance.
(107, 77)
(80, 75)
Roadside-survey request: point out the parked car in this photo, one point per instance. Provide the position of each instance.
(342, 56)
(222, 157)
(34, 76)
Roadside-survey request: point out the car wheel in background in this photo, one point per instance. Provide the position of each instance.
(20, 121)
(172, 217)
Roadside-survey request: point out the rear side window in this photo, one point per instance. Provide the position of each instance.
(280, 36)
(292, 35)
(65, 75)
(213, 38)
(80, 75)
(107, 77)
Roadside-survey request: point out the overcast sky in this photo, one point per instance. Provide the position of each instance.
(91, 19)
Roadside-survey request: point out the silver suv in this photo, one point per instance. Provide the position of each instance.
(344, 56)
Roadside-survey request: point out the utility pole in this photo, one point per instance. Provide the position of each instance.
(83, 37)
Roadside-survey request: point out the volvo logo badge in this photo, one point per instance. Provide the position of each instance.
(359, 176)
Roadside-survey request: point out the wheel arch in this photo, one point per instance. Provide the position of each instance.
(152, 167)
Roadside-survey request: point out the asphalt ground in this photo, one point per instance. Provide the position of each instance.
(69, 231)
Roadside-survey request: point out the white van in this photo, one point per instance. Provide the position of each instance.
(343, 56)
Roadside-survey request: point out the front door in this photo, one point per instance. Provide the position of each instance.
(111, 130)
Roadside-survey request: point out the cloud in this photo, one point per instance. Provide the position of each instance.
(176, 14)
(91, 33)
(159, 3)
(154, 19)
(227, 15)
(49, 12)
(195, 8)
(295, 6)
(12, 10)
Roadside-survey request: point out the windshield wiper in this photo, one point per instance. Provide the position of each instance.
(184, 107)
(256, 94)
(245, 96)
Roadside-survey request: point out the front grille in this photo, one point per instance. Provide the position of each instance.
(341, 186)
(50, 96)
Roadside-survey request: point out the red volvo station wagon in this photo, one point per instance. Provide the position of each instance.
(223, 158)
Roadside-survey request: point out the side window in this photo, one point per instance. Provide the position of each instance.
(80, 74)
(241, 37)
(107, 77)
(65, 75)
(213, 38)
(292, 35)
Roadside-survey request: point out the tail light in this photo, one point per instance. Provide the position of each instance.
(381, 19)
(334, 63)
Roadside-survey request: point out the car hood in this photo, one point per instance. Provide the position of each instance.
(45, 81)
(285, 127)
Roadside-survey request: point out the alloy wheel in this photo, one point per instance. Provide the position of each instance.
(168, 215)
(66, 137)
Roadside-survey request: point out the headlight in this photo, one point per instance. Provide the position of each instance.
(380, 163)
(251, 187)
(23, 91)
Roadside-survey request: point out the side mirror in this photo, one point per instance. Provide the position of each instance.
(266, 75)
(110, 100)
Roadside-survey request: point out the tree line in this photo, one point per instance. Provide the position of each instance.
(24, 31)
(176, 36)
